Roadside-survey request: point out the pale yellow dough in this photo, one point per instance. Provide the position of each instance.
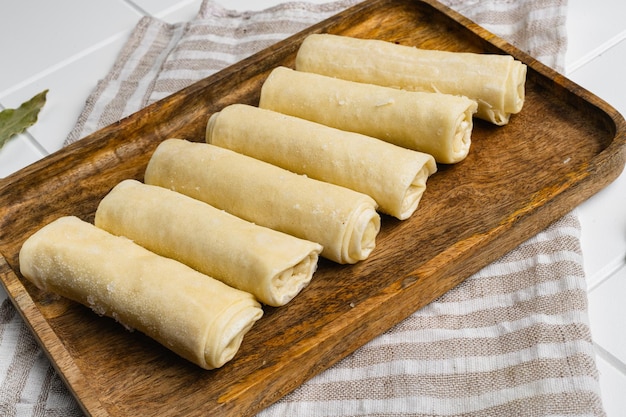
(198, 317)
(271, 265)
(433, 123)
(496, 82)
(343, 221)
(393, 176)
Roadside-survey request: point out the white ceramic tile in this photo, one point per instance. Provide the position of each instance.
(607, 312)
(16, 154)
(184, 12)
(69, 87)
(604, 76)
(169, 10)
(603, 217)
(613, 387)
(154, 7)
(592, 26)
(603, 236)
(37, 35)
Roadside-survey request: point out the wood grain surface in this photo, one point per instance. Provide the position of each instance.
(563, 147)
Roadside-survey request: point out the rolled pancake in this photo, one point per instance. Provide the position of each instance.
(496, 82)
(393, 176)
(272, 266)
(433, 123)
(197, 317)
(343, 221)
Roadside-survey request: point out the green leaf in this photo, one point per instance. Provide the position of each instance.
(15, 121)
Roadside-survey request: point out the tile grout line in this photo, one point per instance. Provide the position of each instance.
(611, 359)
(136, 8)
(595, 53)
(38, 146)
(179, 5)
(163, 12)
(606, 273)
(65, 62)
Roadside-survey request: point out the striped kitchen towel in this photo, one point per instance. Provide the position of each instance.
(161, 58)
(512, 340)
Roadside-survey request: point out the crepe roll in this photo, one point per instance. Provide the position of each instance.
(272, 266)
(393, 176)
(198, 317)
(437, 124)
(343, 221)
(496, 82)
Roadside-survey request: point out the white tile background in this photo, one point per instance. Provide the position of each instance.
(595, 59)
(40, 50)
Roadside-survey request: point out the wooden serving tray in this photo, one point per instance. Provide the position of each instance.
(564, 146)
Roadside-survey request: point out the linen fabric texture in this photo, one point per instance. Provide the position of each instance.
(513, 339)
